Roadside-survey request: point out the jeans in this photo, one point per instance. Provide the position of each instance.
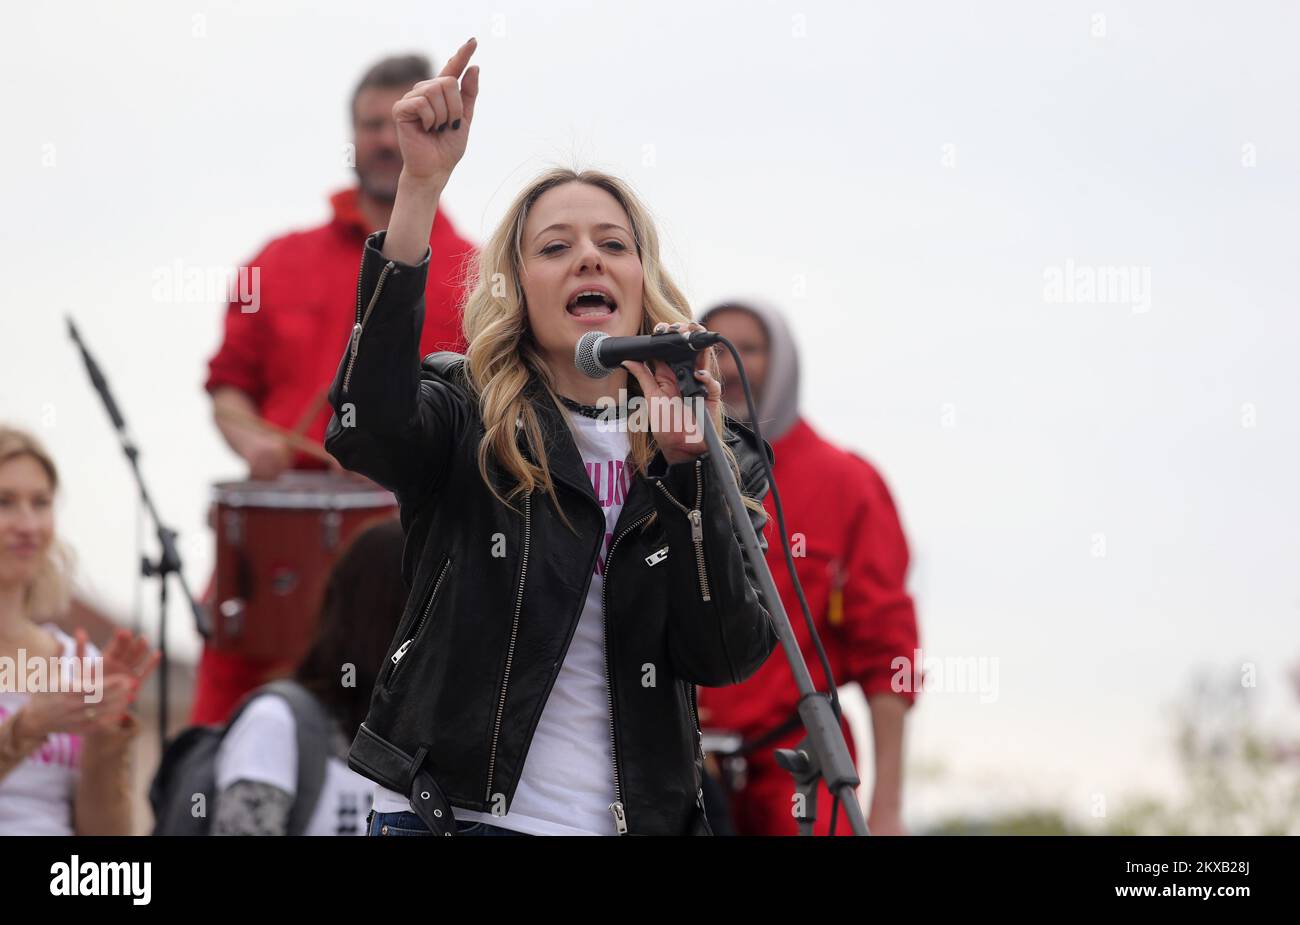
(410, 824)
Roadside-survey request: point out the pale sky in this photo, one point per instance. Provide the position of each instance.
(902, 178)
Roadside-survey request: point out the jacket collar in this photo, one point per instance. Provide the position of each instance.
(561, 452)
(348, 218)
(347, 214)
(568, 468)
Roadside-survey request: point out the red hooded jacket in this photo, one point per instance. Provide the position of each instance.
(852, 558)
(839, 513)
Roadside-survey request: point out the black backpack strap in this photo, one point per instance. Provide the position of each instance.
(315, 734)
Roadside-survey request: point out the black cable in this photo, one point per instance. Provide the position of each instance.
(833, 692)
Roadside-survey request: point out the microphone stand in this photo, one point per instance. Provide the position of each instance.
(823, 753)
(169, 558)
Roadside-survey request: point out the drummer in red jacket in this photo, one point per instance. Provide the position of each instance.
(852, 568)
(283, 327)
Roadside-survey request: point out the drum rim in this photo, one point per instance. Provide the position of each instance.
(315, 499)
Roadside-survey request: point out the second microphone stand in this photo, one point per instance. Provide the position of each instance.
(168, 564)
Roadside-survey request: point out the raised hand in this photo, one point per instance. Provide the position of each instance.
(433, 122)
(434, 118)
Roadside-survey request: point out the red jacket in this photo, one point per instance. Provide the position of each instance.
(285, 354)
(838, 506)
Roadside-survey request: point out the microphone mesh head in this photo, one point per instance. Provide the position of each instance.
(586, 357)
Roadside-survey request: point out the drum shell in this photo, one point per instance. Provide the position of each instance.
(275, 546)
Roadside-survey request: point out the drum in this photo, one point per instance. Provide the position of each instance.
(276, 544)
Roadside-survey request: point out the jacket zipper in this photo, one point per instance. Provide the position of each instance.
(699, 739)
(695, 718)
(620, 815)
(415, 630)
(355, 344)
(510, 652)
(697, 525)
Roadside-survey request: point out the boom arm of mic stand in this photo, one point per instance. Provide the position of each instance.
(169, 559)
(830, 752)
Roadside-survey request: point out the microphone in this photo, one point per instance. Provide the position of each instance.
(598, 354)
(97, 378)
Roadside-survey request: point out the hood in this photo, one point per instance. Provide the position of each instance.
(778, 403)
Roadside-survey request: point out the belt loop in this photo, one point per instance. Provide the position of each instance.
(416, 763)
(427, 799)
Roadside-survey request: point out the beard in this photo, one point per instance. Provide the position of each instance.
(378, 178)
(734, 402)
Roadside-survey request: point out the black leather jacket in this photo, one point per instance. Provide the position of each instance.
(496, 593)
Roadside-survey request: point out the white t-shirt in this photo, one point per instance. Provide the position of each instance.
(36, 798)
(567, 782)
(262, 746)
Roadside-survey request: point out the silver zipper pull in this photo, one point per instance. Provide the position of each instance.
(697, 526)
(356, 340)
(397, 656)
(620, 820)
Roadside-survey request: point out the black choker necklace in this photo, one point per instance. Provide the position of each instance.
(589, 411)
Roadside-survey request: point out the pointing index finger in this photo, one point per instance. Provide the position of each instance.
(455, 65)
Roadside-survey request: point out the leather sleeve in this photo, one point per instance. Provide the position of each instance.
(395, 419)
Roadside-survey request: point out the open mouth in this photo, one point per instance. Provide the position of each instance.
(591, 303)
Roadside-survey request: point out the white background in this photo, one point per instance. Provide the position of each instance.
(797, 151)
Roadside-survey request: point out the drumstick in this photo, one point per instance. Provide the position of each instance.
(297, 441)
(312, 410)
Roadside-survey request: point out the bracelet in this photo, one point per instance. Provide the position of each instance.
(14, 747)
(13, 725)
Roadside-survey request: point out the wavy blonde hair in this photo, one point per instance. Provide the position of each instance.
(503, 358)
(49, 592)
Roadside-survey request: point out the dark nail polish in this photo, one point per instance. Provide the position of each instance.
(455, 125)
(441, 127)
